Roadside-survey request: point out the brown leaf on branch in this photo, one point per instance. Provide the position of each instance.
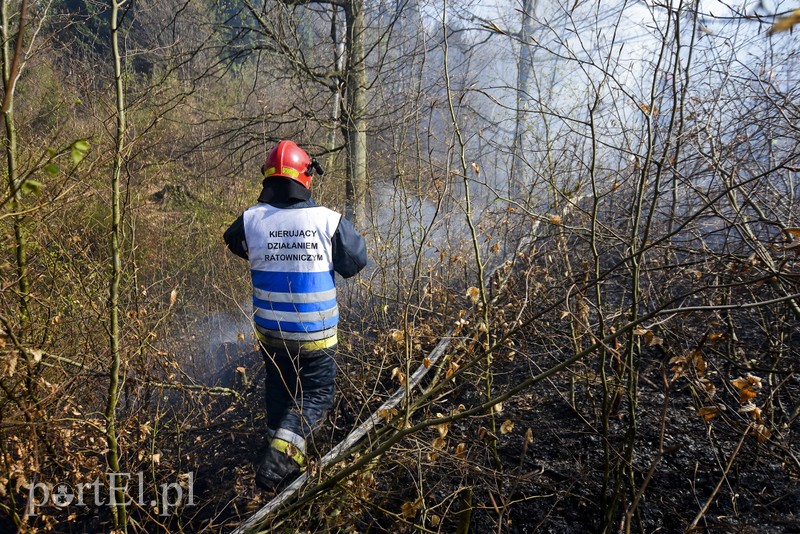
(409, 509)
(473, 294)
(650, 339)
(747, 387)
(529, 436)
(794, 244)
(399, 375)
(783, 24)
(442, 428)
(699, 363)
(762, 433)
(708, 413)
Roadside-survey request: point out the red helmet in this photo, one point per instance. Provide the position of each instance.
(290, 161)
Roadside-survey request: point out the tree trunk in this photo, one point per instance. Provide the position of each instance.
(10, 66)
(336, 85)
(516, 179)
(117, 495)
(354, 113)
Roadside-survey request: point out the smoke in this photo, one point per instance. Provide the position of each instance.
(223, 342)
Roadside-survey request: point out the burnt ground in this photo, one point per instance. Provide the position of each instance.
(555, 461)
(761, 492)
(552, 462)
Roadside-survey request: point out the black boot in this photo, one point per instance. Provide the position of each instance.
(276, 470)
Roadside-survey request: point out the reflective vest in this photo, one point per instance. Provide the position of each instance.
(291, 264)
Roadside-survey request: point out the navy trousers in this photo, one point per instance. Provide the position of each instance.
(299, 390)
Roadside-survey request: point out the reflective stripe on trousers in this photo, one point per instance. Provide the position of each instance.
(299, 390)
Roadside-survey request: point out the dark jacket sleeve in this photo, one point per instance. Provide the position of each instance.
(349, 249)
(234, 238)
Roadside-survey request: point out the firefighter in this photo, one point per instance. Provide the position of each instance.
(294, 247)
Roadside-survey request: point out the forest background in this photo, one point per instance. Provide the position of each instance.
(582, 222)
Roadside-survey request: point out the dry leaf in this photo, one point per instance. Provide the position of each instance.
(647, 110)
(740, 383)
(678, 367)
(438, 444)
(715, 337)
(461, 450)
(386, 414)
(451, 369)
(555, 219)
(173, 296)
(755, 381)
(396, 335)
(473, 294)
(708, 413)
(507, 426)
(783, 24)
(426, 362)
(699, 363)
(9, 364)
(476, 168)
(650, 339)
(762, 433)
(746, 394)
(409, 509)
(710, 388)
(747, 387)
(529, 436)
(399, 375)
(748, 408)
(442, 429)
(485, 434)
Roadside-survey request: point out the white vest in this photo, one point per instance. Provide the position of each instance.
(291, 265)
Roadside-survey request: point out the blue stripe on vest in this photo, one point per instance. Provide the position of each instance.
(294, 306)
(282, 326)
(287, 282)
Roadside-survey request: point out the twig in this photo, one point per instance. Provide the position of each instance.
(713, 495)
(211, 390)
(661, 453)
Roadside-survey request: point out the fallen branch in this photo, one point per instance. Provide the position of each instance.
(354, 437)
